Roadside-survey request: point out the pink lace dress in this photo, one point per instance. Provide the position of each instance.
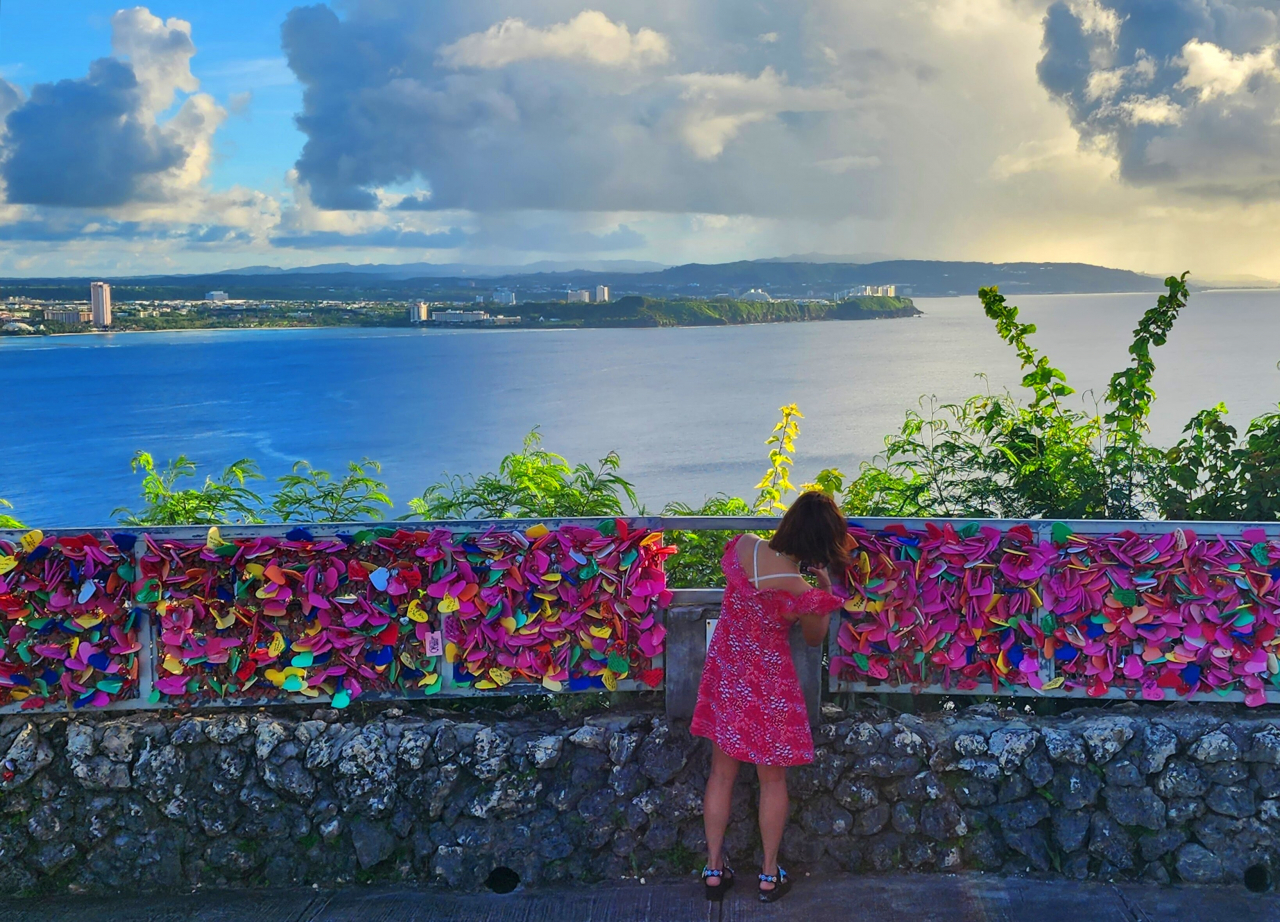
(749, 700)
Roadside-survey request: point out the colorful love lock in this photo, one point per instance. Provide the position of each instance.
(68, 625)
(1147, 615)
(269, 617)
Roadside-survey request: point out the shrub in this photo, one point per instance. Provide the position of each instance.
(532, 483)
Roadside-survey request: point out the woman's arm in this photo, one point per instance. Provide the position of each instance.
(814, 628)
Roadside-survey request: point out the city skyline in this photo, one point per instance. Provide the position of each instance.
(184, 137)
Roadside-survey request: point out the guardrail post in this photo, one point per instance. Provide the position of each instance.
(686, 651)
(808, 663)
(148, 639)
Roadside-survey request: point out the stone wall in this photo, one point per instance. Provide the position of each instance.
(284, 798)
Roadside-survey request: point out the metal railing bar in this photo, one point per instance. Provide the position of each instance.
(656, 522)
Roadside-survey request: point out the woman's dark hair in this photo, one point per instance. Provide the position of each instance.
(814, 532)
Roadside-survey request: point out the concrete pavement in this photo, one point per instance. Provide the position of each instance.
(898, 898)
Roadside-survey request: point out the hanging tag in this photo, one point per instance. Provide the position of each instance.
(435, 644)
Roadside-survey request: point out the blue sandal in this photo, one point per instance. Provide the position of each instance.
(715, 892)
(781, 886)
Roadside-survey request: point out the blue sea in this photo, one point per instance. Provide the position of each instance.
(688, 410)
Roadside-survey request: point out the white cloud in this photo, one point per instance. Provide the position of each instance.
(1215, 71)
(160, 52)
(590, 36)
(1098, 19)
(1151, 110)
(838, 166)
(719, 106)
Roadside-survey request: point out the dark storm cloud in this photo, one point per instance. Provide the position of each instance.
(83, 142)
(1185, 92)
(662, 107)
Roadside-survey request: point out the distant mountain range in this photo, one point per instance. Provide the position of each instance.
(451, 270)
(809, 275)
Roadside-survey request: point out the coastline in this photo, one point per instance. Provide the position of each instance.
(459, 328)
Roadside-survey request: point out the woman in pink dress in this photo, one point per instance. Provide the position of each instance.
(749, 702)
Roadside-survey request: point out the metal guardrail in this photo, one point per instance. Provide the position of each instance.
(1048, 671)
(148, 665)
(686, 636)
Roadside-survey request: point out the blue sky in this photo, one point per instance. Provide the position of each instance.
(186, 136)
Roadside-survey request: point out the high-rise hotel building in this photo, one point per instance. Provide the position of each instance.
(100, 298)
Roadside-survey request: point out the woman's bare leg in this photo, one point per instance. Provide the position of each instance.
(716, 807)
(774, 807)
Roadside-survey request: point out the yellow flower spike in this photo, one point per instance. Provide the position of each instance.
(449, 604)
(172, 664)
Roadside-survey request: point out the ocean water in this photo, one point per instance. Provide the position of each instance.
(687, 409)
